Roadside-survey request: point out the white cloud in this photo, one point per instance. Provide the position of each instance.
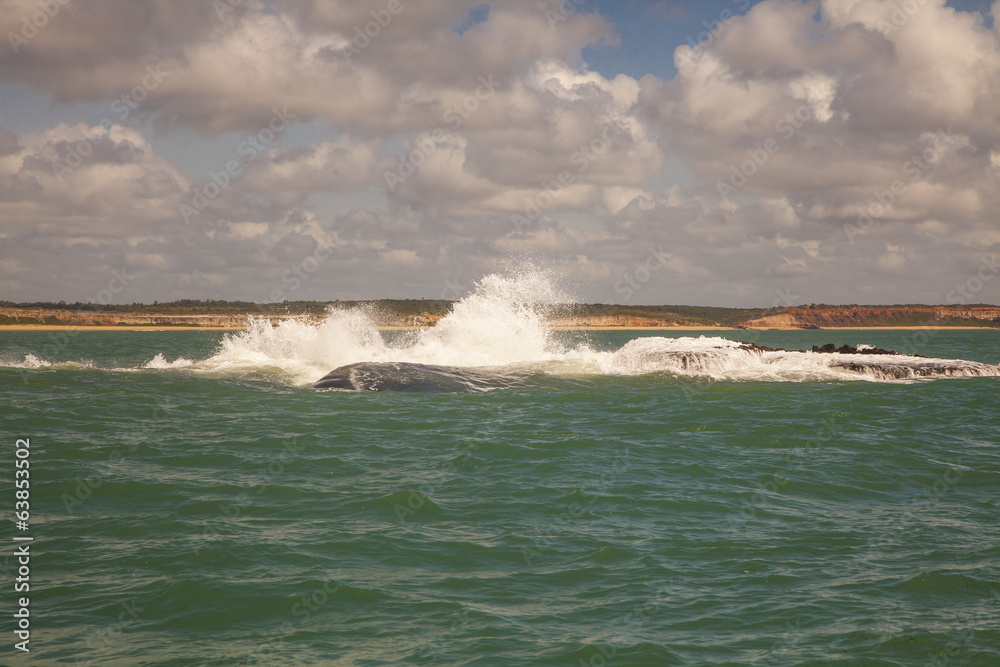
(808, 120)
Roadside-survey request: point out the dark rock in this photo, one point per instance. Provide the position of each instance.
(754, 347)
(830, 348)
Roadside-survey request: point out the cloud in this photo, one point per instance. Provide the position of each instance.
(846, 149)
(553, 140)
(344, 165)
(228, 69)
(87, 182)
(830, 113)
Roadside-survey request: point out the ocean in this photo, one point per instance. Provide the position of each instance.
(612, 498)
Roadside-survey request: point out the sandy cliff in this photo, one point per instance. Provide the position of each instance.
(875, 317)
(791, 318)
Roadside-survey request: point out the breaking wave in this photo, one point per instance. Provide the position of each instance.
(496, 337)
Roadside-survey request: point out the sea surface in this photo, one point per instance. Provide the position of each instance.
(194, 502)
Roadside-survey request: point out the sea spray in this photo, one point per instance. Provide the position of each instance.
(501, 322)
(500, 328)
(300, 349)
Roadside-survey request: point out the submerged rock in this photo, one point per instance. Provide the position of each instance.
(830, 348)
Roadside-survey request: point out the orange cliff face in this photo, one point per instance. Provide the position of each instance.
(873, 317)
(788, 319)
(624, 321)
(72, 317)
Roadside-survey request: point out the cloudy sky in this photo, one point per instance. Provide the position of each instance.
(719, 152)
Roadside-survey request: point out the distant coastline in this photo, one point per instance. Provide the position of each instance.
(145, 327)
(421, 314)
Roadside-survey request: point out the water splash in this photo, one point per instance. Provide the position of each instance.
(501, 325)
(29, 361)
(501, 322)
(159, 362)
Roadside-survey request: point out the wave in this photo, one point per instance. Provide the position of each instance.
(159, 362)
(29, 361)
(501, 323)
(32, 362)
(703, 357)
(496, 338)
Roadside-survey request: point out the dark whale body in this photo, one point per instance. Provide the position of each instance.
(422, 378)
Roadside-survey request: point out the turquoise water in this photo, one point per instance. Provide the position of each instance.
(210, 509)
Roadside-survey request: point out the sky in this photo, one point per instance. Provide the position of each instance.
(721, 152)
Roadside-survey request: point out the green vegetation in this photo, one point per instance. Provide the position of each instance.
(403, 307)
(389, 310)
(706, 315)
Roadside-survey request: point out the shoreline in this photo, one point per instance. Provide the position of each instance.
(154, 327)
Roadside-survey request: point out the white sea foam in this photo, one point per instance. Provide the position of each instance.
(159, 362)
(723, 359)
(29, 361)
(502, 324)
